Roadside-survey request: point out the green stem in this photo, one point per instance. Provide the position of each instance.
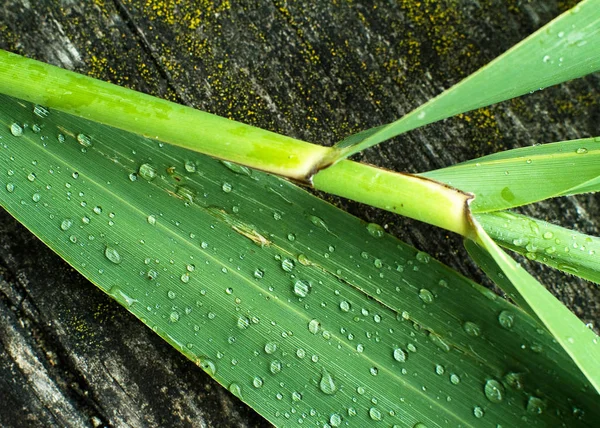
(155, 118)
(417, 197)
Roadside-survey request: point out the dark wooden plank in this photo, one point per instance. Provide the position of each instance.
(314, 70)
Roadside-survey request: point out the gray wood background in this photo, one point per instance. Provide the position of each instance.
(69, 355)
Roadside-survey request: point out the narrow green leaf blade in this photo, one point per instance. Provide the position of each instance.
(267, 288)
(530, 174)
(568, 250)
(580, 342)
(566, 48)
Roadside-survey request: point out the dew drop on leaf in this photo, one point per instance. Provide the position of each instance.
(399, 355)
(84, 140)
(375, 230)
(10, 187)
(478, 412)
(314, 326)
(16, 130)
(301, 288)
(327, 384)
(471, 329)
(270, 347)
(112, 255)
(375, 414)
(257, 382)
(425, 295)
(147, 172)
(506, 319)
(494, 391)
(66, 224)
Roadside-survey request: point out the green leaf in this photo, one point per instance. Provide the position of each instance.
(530, 174)
(564, 49)
(301, 310)
(580, 342)
(568, 250)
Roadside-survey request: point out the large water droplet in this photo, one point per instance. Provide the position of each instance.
(314, 326)
(235, 389)
(335, 420)
(275, 366)
(494, 391)
(84, 140)
(399, 355)
(375, 414)
(10, 187)
(301, 288)
(66, 224)
(287, 265)
(16, 130)
(147, 172)
(327, 384)
(257, 382)
(270, 347)
(112, 254)
(41, 111)
(425, 295)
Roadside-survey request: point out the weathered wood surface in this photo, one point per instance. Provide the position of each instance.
(70, 356)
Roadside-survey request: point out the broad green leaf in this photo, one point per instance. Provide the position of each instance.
(570, 251)
(564, 49)
(580, 342)
(306, 313)
(530, 174)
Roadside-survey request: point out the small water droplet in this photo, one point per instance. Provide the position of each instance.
(454, 379)
(400, 355)
(287, 265)
(275, 366)
(151, 219)
(506, 319)
(546, 58)
(314, 326)
(375, 414)
(335, 420)
(208, 366)
(270, 347)
(301, 288)
(327, 384)
(238, 169)
(31, 177)
(478, 412)
(439, 369)
(257, 382)
(514, 380)
(174, 317)
(235, 389)
(84, 140)
(581, 151)
(190, 166)
(185, 278)
(259, 273)
(66, 224)
(16, 129)
(344, 306)
(40, 111)
(97, 210)
(425, 295)
(423, 257)
(147, 172)
(36, 197)
(494, 391)
(535, 405)
(226, 187)
(10, 187)
(375, 230)
(112, 254)
(471, 329)
(318, 221)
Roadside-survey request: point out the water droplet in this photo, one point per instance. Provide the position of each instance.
(16, 130)
(40, 111)
(112, 254)
(318, 221)
(66, 224)
(506, 319)
(31, 177)
(275, 366)
(301, 288)
(287, 265)
(174, 317)
(478, 412)
(514, 380)
(425, 295)
(259, 273)
(190, 166)
(270, 347)
(10, 187)
(36, 197)
(151, 219)
(226, 187)
(494, 391)
(375, 230)
(439, 369)
(314, 326)
(97, 210)
(535, 405)
(185, 277)
(374, 414)
(327, 384)
(238, 169)
(454, 379)
(208, 366)
(399, 355)
(257, 382)
(423, 257)
(171, 294)
(84, 140)
(546, 58)
(471, 329)
(581, 151)
(335, 420)
(235, 389)
(147, 172)
(296, 396)
(344, 306)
